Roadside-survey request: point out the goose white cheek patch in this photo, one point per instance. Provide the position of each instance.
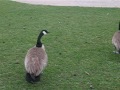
(44, 33)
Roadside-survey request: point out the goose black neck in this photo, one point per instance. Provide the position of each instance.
(119, 25)
(39, 43)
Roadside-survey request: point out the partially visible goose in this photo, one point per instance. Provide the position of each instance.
(36, 60)
(116, 41)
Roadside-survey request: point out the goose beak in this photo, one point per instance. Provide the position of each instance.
(48, 32)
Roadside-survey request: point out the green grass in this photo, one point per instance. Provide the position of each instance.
(79, 46)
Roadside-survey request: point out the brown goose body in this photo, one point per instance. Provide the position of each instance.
(35, 60)
(116, 40)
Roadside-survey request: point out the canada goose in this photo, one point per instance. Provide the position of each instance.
(116, 41)
(36, 60)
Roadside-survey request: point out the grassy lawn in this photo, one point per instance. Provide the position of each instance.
(79, 46)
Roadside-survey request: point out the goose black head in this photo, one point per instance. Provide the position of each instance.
(44, 32)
